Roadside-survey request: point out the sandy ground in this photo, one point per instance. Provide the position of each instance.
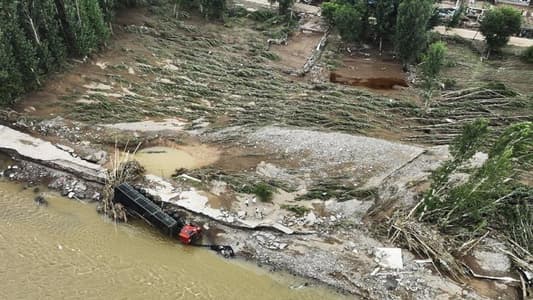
(472, 34)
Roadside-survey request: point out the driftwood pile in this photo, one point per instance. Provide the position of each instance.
(124, 170)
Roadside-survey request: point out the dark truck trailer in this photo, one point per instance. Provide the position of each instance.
(148, 210)
(188, 234)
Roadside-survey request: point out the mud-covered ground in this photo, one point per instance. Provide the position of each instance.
(333, 241)
(330, 153)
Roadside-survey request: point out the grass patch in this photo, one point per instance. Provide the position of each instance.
(299, 210)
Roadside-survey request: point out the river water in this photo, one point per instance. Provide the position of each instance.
(67, 251)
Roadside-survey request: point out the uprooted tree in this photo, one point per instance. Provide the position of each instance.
(467, 202)
(493, 195)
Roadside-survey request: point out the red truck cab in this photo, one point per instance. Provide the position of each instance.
(189, 233)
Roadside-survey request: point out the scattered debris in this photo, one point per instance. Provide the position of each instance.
(389, 257)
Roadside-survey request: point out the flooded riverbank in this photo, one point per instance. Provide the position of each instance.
(164, 161)
(66, 250)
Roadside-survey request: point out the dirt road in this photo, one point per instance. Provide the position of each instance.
(471, 34)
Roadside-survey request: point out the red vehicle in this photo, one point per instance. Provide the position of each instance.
(189, 233)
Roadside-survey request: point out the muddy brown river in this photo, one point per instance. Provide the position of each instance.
(67, 251)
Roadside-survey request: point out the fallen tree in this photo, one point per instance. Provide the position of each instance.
(491, 199)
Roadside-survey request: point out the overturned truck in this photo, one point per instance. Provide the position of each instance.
(139, 205)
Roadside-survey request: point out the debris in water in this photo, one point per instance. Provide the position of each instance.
(40, 200)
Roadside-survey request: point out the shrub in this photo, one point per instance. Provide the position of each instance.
(299, 210)
(498, 25)
(264, 192)
(262, 15)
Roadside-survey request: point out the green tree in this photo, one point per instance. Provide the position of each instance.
(284, 7)
(346, 18)
(10, 77)
(433, 60)
(412, 28)
(498, 25)
(385, 14)
(66, 27)
(96, 20)
(107, 7)
(53, 34)
(42, 17)
(24, 51)
(432, 63)
(213, 9)
(37, 36)
(87, 20)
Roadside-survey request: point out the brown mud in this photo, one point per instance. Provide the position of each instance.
(370, 70)
(299, 47)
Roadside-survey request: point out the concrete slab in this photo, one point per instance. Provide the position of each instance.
(47, 154)
(193, 201)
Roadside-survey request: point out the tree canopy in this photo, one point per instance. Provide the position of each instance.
(37, 36)
(403, 22)
(345, 17)
(412, 28)
(499, 24)
(385, 14)
(433, 60)
(351, 18)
